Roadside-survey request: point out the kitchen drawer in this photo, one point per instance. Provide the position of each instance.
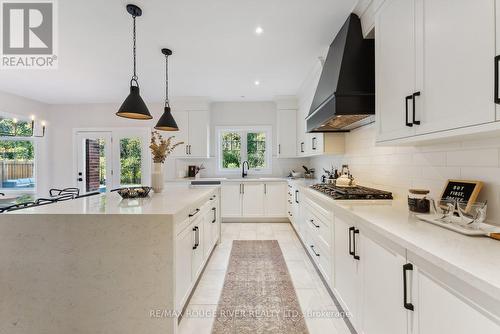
(322, 259)
(320, 211)
(319, 228)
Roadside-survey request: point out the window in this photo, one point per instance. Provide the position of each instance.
(239, 144)
(17, 164)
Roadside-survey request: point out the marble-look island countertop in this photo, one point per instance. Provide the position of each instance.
(175, 199)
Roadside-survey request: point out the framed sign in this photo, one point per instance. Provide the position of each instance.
(462, 190)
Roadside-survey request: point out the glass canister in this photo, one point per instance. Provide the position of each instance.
(418, 201)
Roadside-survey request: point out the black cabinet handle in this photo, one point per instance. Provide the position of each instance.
(297, 196)
(312, 247)
(194, 213)
(312, 222)
(302, 147)
(279, 148)
(196, 237)
(314, 143)
(414, 109)
(408, 98)
(215, 215)
(356, 257)
(265, 188)
(351, 229)
(497, 75)
(408, 306)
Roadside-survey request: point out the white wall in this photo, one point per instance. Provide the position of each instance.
(241, 114)
(398, 169)
(23, 108)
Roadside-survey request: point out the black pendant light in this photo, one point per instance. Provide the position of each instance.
(134, 107)
(166, 121)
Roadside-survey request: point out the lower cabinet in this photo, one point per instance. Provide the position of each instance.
(254, 199)
(198, 254)
(183, 266)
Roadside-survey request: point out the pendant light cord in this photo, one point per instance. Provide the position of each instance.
(134, 77)
(167, 103)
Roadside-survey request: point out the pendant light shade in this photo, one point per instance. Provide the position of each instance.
(134, 107)
(166, 121)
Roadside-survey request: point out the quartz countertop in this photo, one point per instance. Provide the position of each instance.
(474, 260)
(174, 199)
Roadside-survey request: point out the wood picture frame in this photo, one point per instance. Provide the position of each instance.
(462, 190)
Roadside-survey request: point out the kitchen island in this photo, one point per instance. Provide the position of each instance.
(105, 265)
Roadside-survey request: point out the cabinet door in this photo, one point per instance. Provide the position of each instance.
(253, 199)
(439, 309)
(182, 120)
(207, 231)
(347, 271)
(183, 264)
(395, 68)
(231, 199)
(314, 144)
(198, 134)
(382, 289)
(275, 199)
(198, 251)
(215, 221)
(287, 133)
(456, 48)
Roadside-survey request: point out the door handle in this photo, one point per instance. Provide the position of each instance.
(314, 143)
(497, 75)
(414, 109)
(194, 213)
(409, 306)
(215, 215)
(302, 147)
(356, 257)
(297, 196)
(187, 151)
(243, 188)
(196, 237)
(312, 222)
(351, 229)
(265, 188)
(408, 98)
(279, 148)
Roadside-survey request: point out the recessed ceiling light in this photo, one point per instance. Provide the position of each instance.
(256, 82)
(259, 30)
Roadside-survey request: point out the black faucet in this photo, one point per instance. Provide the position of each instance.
(243, 173)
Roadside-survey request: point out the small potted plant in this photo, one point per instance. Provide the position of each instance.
(161, 148)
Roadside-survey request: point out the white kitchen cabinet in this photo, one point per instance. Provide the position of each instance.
(194, 132)
(182, 120)
(454, 66)
(231, 199)
(275, 204)
(433, 73)
(286, 133)
(253, 199)
(348, 270)
(382, 287)
(208, 226)
(183, 264)
(440, 309)
(395, 69)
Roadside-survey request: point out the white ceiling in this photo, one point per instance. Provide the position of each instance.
(216, 51)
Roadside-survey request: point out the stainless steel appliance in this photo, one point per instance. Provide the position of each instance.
(351, 193)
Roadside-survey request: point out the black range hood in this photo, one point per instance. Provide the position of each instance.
(345, 96)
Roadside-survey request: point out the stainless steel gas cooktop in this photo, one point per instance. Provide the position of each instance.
(357, 192)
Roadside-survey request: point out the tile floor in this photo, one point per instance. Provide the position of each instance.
(311, 292)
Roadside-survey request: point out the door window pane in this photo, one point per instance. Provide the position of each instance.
(231, 150)
(130, 161)
(95, 165)
(17, 164)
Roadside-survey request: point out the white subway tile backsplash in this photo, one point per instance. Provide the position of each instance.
(440, 173)
(478, 157)
(488, 175)
(429, 159)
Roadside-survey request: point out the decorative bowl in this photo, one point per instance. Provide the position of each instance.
(134, 192)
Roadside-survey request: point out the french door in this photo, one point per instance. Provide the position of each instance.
(106, 160)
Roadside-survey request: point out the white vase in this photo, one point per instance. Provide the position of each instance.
(157, 177)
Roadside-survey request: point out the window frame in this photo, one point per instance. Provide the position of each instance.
(33, 190)
(243, 130)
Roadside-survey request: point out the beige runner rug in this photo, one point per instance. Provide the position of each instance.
(258, 294)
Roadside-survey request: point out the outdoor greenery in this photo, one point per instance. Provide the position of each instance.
(15, 149)
(130, 161)
(232, 155)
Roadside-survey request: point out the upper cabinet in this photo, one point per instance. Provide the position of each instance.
(434, 68)
(286, 133)
(194, 132)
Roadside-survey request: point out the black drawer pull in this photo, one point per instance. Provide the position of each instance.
(414, 109)
(312, 247)
(194, 213)
(408, 306)
(312, 222)
(351, 229)
(356, 257)
(408, 98)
